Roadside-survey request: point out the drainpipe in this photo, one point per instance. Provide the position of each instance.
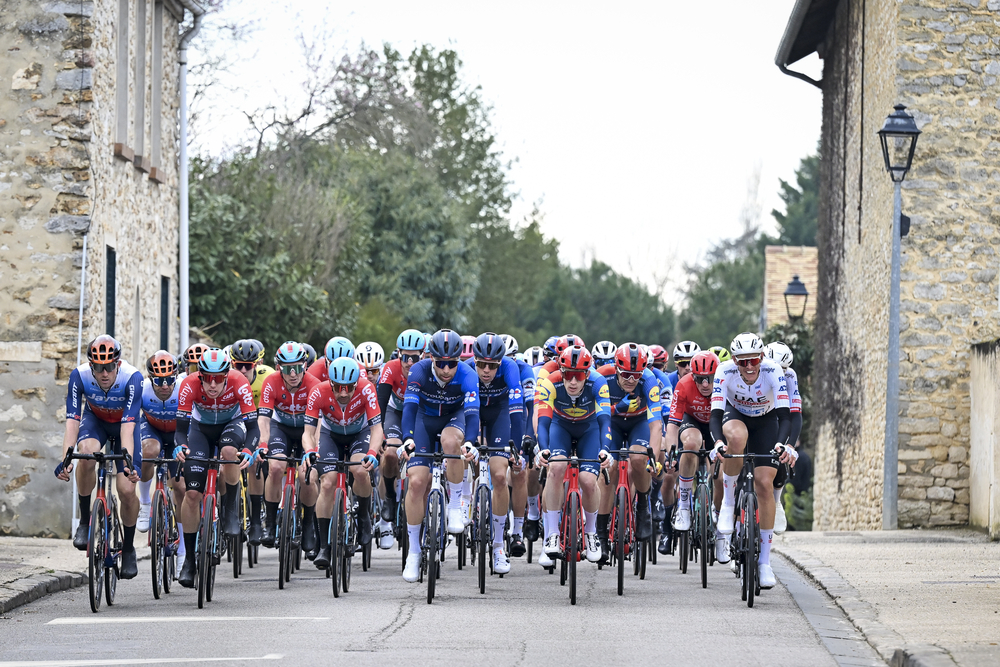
(79, 347)
(184, 274)
(788, 40)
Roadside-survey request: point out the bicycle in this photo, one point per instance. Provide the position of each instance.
(104, 545)
(627, 545)
(745, 547)
(482, 512)
(343, 536)
(164, 538)
(288, 521)
(700, 538)
(234, 543)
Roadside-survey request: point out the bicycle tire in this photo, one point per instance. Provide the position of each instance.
(204, 537)
(618, 520)
(157, 540)
(685, 546)
(349, 530)
(366, 556)
(433, 536)
(285, 527)
(402, 534)
(530, 547)
(484, 512)
(115, 553)
(574, 549)
(752, 542)
(336, 546)
(653, 541)
(640, 553)
(96, 547)
(463, 546)
(701, 518)
(563, 567)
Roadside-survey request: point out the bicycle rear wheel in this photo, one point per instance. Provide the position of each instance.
(752, 547)
(336, 544)
(95, 551)
(620, 519)
(574, 541)
(214, 556)
(433, 537)
(285, 535)
(157, 542)
(204, 553)
(701, 510)
(348, 531)
(482, 528)
(685, 545)
(115, 554)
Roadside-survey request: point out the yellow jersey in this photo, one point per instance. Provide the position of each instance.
(257, 386)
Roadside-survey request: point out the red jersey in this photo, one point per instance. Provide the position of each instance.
(360, 412)
(688, 400)
(392, 374)
(319, 370)
(283, 405)
(236, 400)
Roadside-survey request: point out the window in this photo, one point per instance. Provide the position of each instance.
(164, 313)
(109, 292)
(122, 149)
(140, 160)
(156, 97)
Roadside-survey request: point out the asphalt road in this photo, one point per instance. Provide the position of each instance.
(523, 619)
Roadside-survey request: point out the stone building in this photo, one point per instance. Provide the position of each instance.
(89, 128)
(781, 265)
(940, 58)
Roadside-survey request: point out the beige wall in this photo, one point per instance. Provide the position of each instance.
(781, 264)
(984, 447)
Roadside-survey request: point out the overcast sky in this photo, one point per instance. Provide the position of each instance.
(636, 124)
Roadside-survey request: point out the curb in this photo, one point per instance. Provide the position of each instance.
(889, 644)
(22, 591)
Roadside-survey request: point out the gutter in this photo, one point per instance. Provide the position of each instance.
(795, 21)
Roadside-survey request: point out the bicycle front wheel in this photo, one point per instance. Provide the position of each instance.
(433, 537)
(620, 518)
(205, 553)
(285, 527)
(701, 510)
(574, 544)
(752, 547)
(348, 529)
(96, 551)
(336, 543)
(483, 517)
(114, 554)
(157, 543)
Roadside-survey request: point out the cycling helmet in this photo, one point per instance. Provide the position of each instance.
(427, 341)
(489, 347)
(411, 340)
(534, 355)
(344, 370)
(394, 355)
(704, 363)
(511, 344)
(721, 352)
(337, 347)
(446, 344)
(214, 361)
(103, 350)
(685, 350)
(780, 353)
(746, 343)
(569, 340)
(575, 358)
(468, 342)
(631, 357)
(194, 352)
(162, 364)
(246, 350)
(658, 354)
(260, 356)
(604, 351)
(549, 348)
(310, 353)
(370, 356)
(290, 353)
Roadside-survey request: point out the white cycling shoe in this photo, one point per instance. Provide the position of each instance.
(501, 564)
(765, 575)
(593, 547)
(780, 520)
(467, 510)
(727, 519)
(722, 548)
(682, 519)
(552, 546)
(456, 520)
(545, 560)
(385, 539)
(142, 525)
(411, 572)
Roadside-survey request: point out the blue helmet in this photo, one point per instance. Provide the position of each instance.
(344, 370)
(337, 347)
(214, 361)
(290, 353)
(549, 348)
(446, 344)
(411, 340)
(489, 347)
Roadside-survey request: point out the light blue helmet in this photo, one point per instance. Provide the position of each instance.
(337, 347)
(214, 361)
(344, 370)
(411, 340)
(290, 353)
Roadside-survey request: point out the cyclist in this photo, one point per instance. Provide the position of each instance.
(572, 405)
(468, 342)
(310, 354)
(246, 356)
(721, 353)
(391, 394)
(562, 343)
(343, 423)
(782, 354)
(523, 478)
(634, 396)
(371, 357)
(215, 415)
(336, 347)
(549, 349)
(102, 404)
(683, 352)
(281, 418)
(191, 357)
(501, 419)
(442, 399)
(604, 353)
(534, 356)
(750, 413)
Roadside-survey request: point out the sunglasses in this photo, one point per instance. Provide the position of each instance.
(243, 365)
(630, 375)
(752, 362)
(487, 365)
(292, 368)
(213, 378)
(163, 382)
(344, 388)
(409, 358)
(683, 364)
(702, 379)
(104, 368)
(450, 363)
(576, 376)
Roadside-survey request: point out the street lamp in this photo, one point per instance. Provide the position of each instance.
(899, 140)
(796, 297)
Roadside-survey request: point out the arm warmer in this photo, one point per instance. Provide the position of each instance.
(715, 426)
(409, 419)
(181, 434)
(384, 391)
(543, 432)
(796, 428)
(784, 424)
(604, 423)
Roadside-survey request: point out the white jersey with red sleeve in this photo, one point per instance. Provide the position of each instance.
(794, 397)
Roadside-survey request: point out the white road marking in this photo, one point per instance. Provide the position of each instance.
(130, 661)
(101, 620)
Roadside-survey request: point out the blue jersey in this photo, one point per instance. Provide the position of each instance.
(504, 391)
(120, 403)
(528, 391)
(425, 393)
(643, 401)
(666, 391)
(161, 415)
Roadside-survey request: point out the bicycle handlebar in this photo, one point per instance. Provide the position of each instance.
(100, 457)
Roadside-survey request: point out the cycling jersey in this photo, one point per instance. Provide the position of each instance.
(689, 401)
(769, 392)
(794, 398)
(283, 405)
(319, 370)
(669, 383)
(261, 373)
(161, 415)
(643, 401)
(502, 396)
(359, 413)
(426, 394)
(393, 376)
(547, 368)
(235, 401)
(528, 391)
(119, 404)
(552, 399)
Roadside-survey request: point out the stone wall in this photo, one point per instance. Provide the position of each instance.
(781, 264)
(59, 181)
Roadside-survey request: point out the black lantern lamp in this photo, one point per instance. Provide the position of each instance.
(796, 297)
(899, 139)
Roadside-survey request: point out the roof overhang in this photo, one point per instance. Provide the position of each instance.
(807, 27)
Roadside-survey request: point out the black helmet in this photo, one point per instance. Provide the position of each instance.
(446, 344)
(310, 353)
(489, 347)
(246, 351)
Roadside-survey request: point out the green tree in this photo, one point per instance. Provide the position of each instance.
(797, 225)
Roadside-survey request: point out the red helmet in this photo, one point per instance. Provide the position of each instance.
(161, 364)
(569, 340)
(630, 357)
(704, 363)
(659, 354)
(575, 358)
(103, 350)
(194, 353)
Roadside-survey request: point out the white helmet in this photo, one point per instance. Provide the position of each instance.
(511, 344)
(686, 349)
(746, 343)
(604, 350)
(534, 355)
(369, 356)
(780, 353)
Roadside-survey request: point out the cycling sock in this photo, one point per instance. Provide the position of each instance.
(765, 547)
(498, 522)
(390, 487)
(685, 484)
(271, 509)
(729, 489)
(85, 509)
(518, 528)
(181, 547)
(324, 533)
(414, 533)
(602, 524)
(255, 501)
(128, 536)
(144, 491)
(189, 545)
(551, 520)
(455, 500)
(467, 485)
(232, 496)
(589, 521)
(777, 494)
(533, 502)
